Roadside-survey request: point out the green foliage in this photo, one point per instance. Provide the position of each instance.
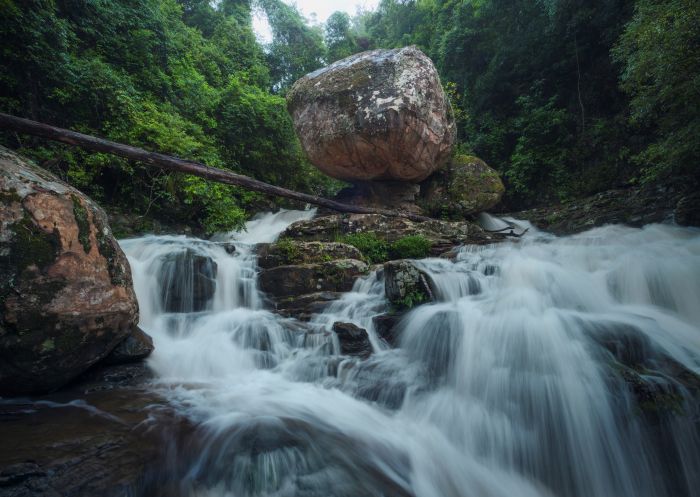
(410, 247)
(296, 47)
(339, 38)
(289, 250)
(539, 158)
(659, 52)
(562, 98)
(185, 78)
(410, 300)
(377, 250)
(564, 135)
(373, 248)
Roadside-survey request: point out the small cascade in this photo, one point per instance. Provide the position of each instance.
(550, 367)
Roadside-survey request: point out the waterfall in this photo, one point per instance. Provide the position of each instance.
(562, 367)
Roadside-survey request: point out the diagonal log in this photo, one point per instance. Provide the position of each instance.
(170, 163)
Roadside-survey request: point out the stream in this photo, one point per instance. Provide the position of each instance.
(547, 367)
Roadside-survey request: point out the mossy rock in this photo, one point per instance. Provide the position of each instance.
(406, 285)
(288, 252)
(466, 186)
(66, 298)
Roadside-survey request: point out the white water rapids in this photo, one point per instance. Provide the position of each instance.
(538, 373)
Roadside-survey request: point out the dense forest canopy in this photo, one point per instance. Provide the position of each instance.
(563, 97)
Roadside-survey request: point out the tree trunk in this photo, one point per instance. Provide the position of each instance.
(170, 163)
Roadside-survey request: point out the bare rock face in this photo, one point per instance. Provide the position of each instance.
(66, 297)
(377, 115)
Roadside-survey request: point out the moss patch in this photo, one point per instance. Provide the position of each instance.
(81, 218)
(29, 246)
(106, 247)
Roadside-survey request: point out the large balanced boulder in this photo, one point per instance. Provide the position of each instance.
(466, 186)
(377, 115)
(66, 297)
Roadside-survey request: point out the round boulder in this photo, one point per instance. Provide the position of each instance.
(66, 297)
(377, 115)
(467, 186)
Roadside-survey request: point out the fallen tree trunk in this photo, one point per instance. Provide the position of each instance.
(170, 163)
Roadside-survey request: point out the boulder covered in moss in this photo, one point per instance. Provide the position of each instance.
(66, 296)
(466, 186)
(377, 115)
(441, 235)
(286, 251)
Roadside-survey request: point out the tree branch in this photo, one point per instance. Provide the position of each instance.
(170, 163)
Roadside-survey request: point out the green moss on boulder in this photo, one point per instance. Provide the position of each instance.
(466, 186)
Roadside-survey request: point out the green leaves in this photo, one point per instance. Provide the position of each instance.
(659, 52)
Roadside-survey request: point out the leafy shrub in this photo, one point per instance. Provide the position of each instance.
(374, 249)
(410, 247)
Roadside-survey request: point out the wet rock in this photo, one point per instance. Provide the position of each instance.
(386, 326)
(635, 206)
(466, 186)
(405, 285)
(377, 115)
(103, 442)
(687, 212)
(189, 281)
(66, 297)
(660, 386)
(288, 252)
(294, 280)
(353, 340)
(135, 347)
(303, 307)
(443, 235)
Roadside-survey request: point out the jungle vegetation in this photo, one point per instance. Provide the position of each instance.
(563, 97)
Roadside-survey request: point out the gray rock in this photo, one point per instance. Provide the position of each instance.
(405, 285)
(377, 115)
(287, 252)
(386, 326)
(354, 341)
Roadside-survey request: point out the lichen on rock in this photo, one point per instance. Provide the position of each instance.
(376, 115)
(61, 309)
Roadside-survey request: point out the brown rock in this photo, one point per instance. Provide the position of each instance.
(377, 115)
(331, 276)
(66, 297)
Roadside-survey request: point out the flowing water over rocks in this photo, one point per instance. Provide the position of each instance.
(559, 367)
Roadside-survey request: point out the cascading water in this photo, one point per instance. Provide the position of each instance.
(549, 367)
